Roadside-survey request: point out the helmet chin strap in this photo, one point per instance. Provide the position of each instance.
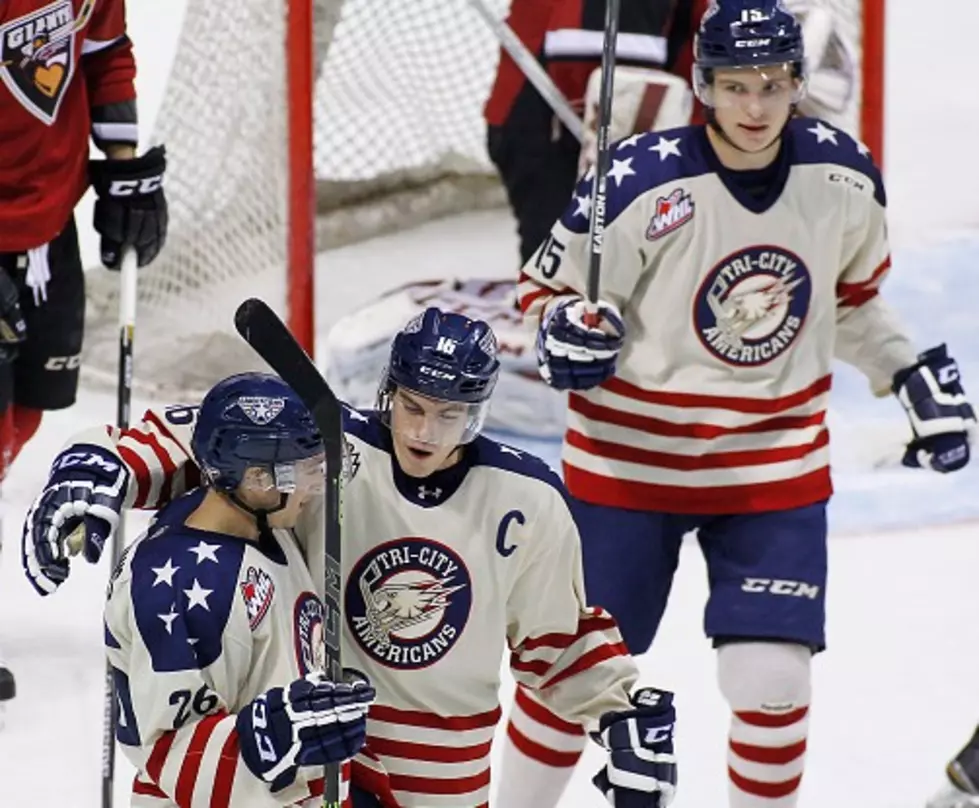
(261, 514)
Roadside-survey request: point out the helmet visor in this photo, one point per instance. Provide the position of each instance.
(769, 87)
(425, 421)
(305, 476)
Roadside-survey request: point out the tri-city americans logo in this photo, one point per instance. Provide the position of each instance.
(752, 305)
(408, 601)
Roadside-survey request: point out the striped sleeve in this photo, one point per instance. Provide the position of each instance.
(570, 655)
(869, 335)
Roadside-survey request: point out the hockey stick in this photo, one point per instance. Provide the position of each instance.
(270, 338)
(596, 226)
(124, 393)
(532, 69)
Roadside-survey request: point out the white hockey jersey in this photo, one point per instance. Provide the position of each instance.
(734, 305)
(440, 577)
(197, 625)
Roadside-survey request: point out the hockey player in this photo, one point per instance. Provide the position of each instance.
(961, 789)
(67, 73)
(738, 257)
(211, 625)
(536, 156)
(453, 543)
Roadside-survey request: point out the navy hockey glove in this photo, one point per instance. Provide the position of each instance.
(13, 328)
(85, 490)
(641, 768)
(941, 419)
(311, 722)
(574, 356)
(131, 210)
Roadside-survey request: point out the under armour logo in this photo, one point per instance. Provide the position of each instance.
(424, 492)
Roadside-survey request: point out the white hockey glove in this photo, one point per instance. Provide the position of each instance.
(85, 491)
(641, 768)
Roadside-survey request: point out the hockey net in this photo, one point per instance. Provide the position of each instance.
(398, 139)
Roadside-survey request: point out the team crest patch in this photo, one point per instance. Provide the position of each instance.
(308, 633)
(672, 212)
(752, 305)
(37, 57)
(257, 589)
(261, 410)
(408, 601)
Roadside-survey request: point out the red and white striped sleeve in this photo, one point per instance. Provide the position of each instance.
(572, 656)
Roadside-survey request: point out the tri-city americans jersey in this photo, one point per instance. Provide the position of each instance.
(441, 575)
(734, 305)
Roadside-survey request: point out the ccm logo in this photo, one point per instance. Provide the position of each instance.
(143, 187)
(63, 362)
(778, 586)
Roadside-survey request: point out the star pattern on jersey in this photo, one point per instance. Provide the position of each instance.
(620, 170)
(168, 619)
(357, 416)
(197, 596)
(584, 206)
(205, 552)
(824, 133)
(631, 141)
(504, 449)
(164, 574)
(666, 147)
(862, 148)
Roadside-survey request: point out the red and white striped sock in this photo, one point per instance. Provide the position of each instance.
(539, 755)
(768, 688)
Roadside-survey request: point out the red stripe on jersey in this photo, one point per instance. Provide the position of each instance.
(772, 791)
(598, 622)
(417, 718)
(162, 455)
(439, 785)
(372, 781)
(773, 755)
(772, 720)
(764, 406)
(672, 429)
(430, 752)
(680, 462)
(541, 753)
(588, 660)
(140, 471)
(528, 298)
(542, 715)
(224, 780)
(148, 789)
(856, 294)
(191, 765)
(154, 764)
(775, 495)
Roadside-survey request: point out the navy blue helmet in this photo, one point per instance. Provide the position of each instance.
(746, 33)
(252, 420)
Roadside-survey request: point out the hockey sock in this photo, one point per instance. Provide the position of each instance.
(539, 755)
(17, 426)
(768, 688)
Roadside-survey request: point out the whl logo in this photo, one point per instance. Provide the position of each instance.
(672, 212)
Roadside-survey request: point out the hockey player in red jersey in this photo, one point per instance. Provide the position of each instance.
(66, 70)
(738, 258)
(536, 156)
(450, 539)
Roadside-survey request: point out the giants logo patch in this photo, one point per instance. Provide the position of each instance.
(37, 56)
(752, 305)
(257, 589)
(308, 633)
(407, 602)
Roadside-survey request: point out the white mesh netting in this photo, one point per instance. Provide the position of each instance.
(399, 139)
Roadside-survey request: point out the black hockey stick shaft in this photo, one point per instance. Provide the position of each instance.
(265, 332)
(599, 186)
(124, 395)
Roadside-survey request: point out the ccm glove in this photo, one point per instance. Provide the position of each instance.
(131, 210)
(86, 489)
(574, 356)
(941, 419)
(311, 722)
(13, 328)
(641, 768)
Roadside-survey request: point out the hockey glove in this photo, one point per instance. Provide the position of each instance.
(941, 419)
(85, 491)
(131, 210)
(13, 328)
(641, 768)
(311, 722)
(574, 356)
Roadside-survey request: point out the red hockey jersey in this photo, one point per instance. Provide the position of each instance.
(66, 68)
